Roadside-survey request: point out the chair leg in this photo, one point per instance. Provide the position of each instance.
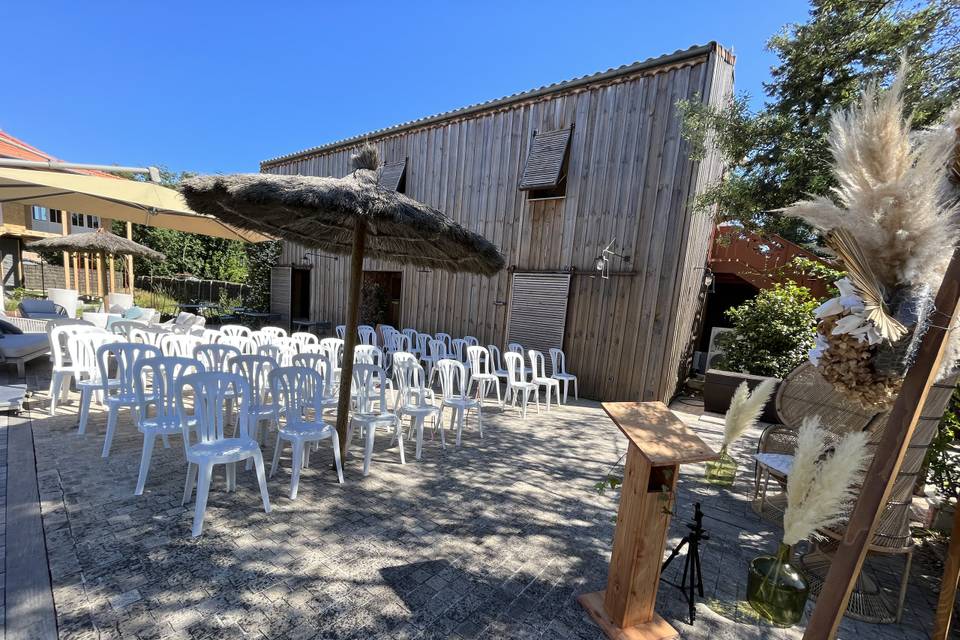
(368, 448)
(461, 418)
(418, 423)
(904, 580)
(526, 398)
(85, 399)
(297, 467)
(190, 483)
(576, 393)
(398, 429)
(111, 427)
(261, 479)
(480, 421)
(148, 440)
(231, 476)
(203, 490)
(496, 385)
(56, 380)
(335, 439)
(276, 455)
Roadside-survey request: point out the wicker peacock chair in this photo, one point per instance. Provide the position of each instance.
(805, 393)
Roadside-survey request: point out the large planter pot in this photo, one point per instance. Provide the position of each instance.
(718, 388)
(776, 590)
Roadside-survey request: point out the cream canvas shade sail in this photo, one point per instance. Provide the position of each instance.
(145, 203)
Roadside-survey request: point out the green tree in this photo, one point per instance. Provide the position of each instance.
(772, 332)
(779, 154)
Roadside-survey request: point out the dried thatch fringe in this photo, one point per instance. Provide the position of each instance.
(100, 241)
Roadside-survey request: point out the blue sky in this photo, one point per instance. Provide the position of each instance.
(217, 87)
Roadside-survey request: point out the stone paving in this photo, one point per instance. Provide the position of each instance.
(493, 540)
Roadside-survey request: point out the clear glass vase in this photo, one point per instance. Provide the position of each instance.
(721, 471)
(776, 590)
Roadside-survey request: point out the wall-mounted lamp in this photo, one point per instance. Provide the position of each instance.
(307, 263)
(709, 279)
(602, 261)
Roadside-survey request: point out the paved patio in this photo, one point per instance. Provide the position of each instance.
(493, 540)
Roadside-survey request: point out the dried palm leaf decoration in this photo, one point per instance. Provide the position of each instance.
(862, 276)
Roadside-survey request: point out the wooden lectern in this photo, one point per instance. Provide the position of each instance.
(659, 443)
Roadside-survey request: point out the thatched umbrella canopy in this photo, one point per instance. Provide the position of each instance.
(100, 242)
(351, 215)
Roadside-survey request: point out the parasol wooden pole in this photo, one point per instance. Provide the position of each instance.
(130, 259)
(65, 230)
(99, 275)
(112, 285)
(878, 482)
(350, 338)
(948, 584)
(86, 273)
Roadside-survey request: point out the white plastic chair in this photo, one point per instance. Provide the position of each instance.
(453, 385)
(415, 399)
(304, 338)
(148, 335)
(332, 348)
(120, 393)
(481, 373)
(371, 410)
(245, 344)
(205, 440)
(445, 338)
(207, 336)
(64, 370)
(124, 327)
(515, 347)
(412, 338)
(517, 385)
(458, 351)
(436, 351)
(321, 364)
(158, 413)
(471, 341)
(262, 337)
(297, 397)
(216, 357)
(83, 353)
(260, 403)
(236, 330)
(275, 332)
(174, 345)
(367, 334)
(423, 342)
(341, 331)
(558, 365)
(496, 363)
(540, 378)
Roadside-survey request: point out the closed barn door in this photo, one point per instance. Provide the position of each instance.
(538, 311)
(280, 293)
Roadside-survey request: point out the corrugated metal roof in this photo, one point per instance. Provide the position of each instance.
(650, 63)
(544, 165)
(391, 173)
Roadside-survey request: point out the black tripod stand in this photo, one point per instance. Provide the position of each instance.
(691, 566)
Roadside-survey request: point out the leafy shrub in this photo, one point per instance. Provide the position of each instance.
(943, 463)
(772, 332)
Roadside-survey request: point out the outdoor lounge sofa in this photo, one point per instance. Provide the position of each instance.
(20, 348)
(41, 309)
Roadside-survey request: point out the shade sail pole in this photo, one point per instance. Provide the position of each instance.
(350, 338)
(880, 477)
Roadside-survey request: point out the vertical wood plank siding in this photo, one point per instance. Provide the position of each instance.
(630, 180)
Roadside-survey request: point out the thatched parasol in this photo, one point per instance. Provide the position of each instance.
(351, 215)
(100, 242)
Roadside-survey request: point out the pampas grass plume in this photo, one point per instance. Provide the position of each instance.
(745, 409)
(819, 488)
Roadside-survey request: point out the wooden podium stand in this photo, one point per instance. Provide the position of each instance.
(659, 443)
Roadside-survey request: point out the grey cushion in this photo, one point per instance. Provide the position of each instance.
(45, 316)
(24, 344)
(33, 305)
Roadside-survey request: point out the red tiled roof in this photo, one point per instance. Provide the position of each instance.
(11, 147)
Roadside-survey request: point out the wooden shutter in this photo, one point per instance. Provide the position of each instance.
(538, 310)
(280, 278)
(545, 163)
(391, 175)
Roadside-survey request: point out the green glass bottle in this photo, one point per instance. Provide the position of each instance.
(776, 590)
(721, 471)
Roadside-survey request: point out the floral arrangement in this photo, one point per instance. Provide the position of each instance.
(893, 227)
(745, 409)
(820, 483)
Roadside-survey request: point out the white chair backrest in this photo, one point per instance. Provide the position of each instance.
(516, 347)
(320, 363)
(537, 364)
(453, 378)
(123, 327)
(147, 335)
(303, 338)
(445, 338)
(496, 364)
(411, 335)
(256, 371)
(367, 334)
(458, 349)
(215, 357)
(516, 373)
(471, 341)
(59, 337)
(369, 390)
(125, 356)
(155, 383)
(245, 344)
(276, 332)
(479, 359)
(297, 393)
(400, 342)
(333, 349)
(287, 348)
(423, 340)
(212, 390)
(235, 330)
(437, 350)
(411, 380)
(386, 333)
(558, 361)
(82, 348)
(368, 354)
(175, 345)
(341, 331)
(262, 337)
(207, 336)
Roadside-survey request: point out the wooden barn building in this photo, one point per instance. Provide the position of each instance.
(561, 178)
